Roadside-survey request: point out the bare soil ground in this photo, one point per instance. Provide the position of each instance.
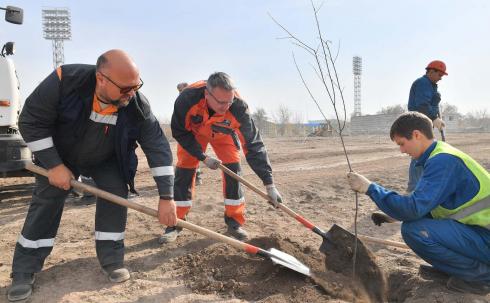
(311, 176)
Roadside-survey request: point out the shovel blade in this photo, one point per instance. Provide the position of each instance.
(286, 260)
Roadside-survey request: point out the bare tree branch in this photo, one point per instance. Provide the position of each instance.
(289, 33)
(308, 89)
(325, 63)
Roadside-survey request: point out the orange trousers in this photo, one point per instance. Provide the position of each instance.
(228, 152)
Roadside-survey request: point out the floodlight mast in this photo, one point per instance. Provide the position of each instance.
(357, 70)
(57, 28)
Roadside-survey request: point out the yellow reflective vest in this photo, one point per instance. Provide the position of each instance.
(476, 211)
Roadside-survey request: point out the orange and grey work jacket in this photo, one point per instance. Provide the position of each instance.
(192, 118)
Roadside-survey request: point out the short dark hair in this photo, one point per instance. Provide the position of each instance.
(101, 62)
(181, 86)
(221, 80)
(427, 70)
(407, 122)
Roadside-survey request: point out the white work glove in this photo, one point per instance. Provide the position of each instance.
(438, 123)
(358, 182)
(211, 162)
(274, 194)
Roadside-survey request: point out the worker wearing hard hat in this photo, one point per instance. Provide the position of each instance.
(424, 98)
(446, 220)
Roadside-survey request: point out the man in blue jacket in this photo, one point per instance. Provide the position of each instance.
(446, 219)
(87, 120)
(424, 98)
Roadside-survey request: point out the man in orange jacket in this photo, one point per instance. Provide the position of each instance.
(212, 112)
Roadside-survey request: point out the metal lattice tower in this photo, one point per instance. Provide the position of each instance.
(357, 70)
(57, 28)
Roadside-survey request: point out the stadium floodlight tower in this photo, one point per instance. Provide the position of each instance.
(357, 69)
(57, 28)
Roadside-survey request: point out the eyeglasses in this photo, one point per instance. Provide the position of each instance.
(222, 103)
(124, 90)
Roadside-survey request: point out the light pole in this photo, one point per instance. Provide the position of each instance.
(357, 70)
(57, 28)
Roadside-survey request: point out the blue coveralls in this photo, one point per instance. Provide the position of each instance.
(458, 249)
(424, 98)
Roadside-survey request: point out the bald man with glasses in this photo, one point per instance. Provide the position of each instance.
(88, 120)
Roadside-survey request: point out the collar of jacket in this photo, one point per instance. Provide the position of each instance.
(432, 83)
(423, 158)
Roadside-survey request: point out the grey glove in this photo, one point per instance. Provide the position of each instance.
(274, 195)
(211, 162)
(358, 182)
(439, 123)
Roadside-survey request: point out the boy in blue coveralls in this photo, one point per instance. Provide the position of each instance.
(446, 219)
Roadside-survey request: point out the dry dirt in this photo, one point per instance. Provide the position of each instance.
(311, 176)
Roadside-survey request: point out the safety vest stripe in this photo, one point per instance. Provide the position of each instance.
(100, 235)
(105, 119)
(187, 203)
(234, 202)
(473, 209)
(35, 244)
(162, 171)
(42, 144)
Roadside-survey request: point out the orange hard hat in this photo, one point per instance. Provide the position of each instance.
(437, 65)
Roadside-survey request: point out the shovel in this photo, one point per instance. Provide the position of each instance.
(304, 221)
(276, 256)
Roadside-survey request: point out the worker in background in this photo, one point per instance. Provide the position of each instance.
(212, 112)
(424, 98)
(180, 88)
(446, 219)
(86, 119)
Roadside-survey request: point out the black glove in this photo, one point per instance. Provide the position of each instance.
(380, 218)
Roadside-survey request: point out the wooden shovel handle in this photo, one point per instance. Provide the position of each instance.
(264, 195)
(149, 211)
(383, 242)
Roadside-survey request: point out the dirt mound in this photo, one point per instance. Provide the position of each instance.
(222, 270)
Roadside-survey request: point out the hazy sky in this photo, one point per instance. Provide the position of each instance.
(175, 41)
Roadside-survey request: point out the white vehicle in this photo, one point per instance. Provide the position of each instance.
(13, 150)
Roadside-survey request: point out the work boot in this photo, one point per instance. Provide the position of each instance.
(117, 274)
(474, 287)
(429, 273)
(21, 287)
(237, 232)
(170, 235)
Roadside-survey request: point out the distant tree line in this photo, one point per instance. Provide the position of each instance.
(284, 122)
(475, 119)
